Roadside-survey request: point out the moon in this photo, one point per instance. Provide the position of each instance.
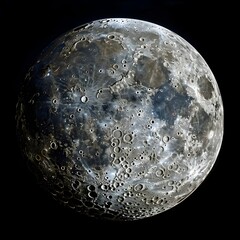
(120, 119)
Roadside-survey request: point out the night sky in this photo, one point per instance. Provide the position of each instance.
(27, 28)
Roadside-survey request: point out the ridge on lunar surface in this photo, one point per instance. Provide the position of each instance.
(120, 119)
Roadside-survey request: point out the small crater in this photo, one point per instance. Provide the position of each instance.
(159, 173)
(115, 66)
(117, 134)
(38, 157)
(75, 184)
(117, 149)
(44, 152)
(127, 138)
(115, 141)
(81, 152)
(111, 37)
(53, 145)
(92, 194)
(139, 187)
(104, 187)
(54, 101)
(166, 139)
(84, 99)
(120, 199)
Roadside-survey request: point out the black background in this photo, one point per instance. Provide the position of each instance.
(28, 27)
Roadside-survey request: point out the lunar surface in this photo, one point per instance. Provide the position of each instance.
(120, 119)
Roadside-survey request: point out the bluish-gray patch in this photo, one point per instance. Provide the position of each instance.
(168, 104)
